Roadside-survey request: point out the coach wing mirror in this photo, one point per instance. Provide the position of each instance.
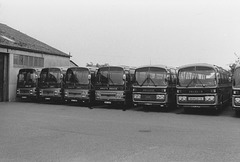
(61, 76)
(34, 75)
(124, 76)
(168, 77)
(217, 78)
(233, 81)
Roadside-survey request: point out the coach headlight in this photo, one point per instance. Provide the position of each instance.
(119, 95)
(182, 98)
(236, 92)
(56, 92)
(84, 93)
(209, 98)
(160, 97)
(137, 96)
(213, 90)
(66, 93)
(98, 94)
(179, 91)
(30, 91)
(237, 100)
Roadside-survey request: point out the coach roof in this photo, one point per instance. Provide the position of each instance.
(13, 39)
(198, 64)
(157, 66)
(237, 66)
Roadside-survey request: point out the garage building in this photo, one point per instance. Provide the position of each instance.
(18, 50)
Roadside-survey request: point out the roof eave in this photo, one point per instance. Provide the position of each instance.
(31, 50)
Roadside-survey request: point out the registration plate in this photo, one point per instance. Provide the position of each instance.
(24, 97)
(148, 104)
(195, 106)
(195, 98)
(47, 98)
(107, 102)
(147, 97)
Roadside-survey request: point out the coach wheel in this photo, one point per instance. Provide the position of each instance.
(217, 110)
(237, 112)
(186, 110)
(35, 100)
(91, 103)
(220, 106)
(67, 101)
(40, 100)
(125, 107)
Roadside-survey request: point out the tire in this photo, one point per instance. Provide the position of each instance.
(186, 110)
(237, 112)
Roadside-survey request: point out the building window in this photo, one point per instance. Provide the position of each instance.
(35, 61)
(20, 60)
(25, 60)
(15, 60)
(41, 62)
(28, 61)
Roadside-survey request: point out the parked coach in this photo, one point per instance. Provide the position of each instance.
(27, 83)
(155, 85)
(79, 85)
(236, 90)
(203, 86)
(51, 84)
(114, 85)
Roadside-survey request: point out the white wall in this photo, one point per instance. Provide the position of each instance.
(52, 61)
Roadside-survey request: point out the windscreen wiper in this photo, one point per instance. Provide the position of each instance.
(137, 82)
(144, 81)
(190, 82)
(200, 82)
(236, 84)
(109, 79)
(152, 81)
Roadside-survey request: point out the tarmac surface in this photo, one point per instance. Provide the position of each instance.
(33, 132)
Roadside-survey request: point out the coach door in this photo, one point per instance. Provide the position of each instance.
(3, 77)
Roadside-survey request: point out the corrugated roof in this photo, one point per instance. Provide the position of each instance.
(13, 39)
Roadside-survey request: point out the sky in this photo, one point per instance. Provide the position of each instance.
(132, 32)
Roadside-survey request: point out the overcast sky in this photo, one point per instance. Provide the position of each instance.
(132, 32)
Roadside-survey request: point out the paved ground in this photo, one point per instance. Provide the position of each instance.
(32, 132)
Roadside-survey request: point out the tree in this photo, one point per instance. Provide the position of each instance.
(89, 64)
(233, 65)
(96, 65)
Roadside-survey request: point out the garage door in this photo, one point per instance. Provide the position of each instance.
(4, 58)
(1, 76)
